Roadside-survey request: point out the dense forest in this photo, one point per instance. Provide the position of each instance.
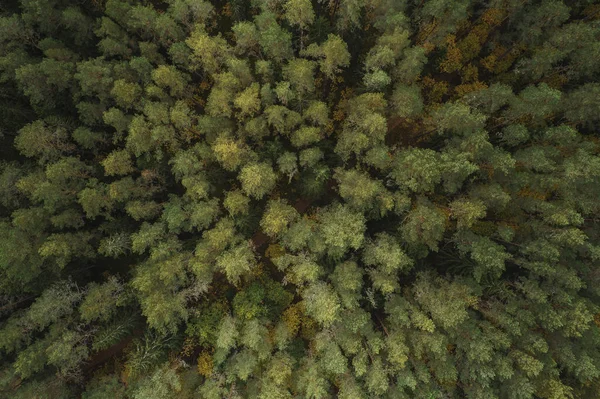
(299, 199)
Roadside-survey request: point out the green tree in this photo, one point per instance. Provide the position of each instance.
(294, 198)
(257, 179)
(277, 218)
(341, 229)
(299, 13)
(424, 225)
(332, 55)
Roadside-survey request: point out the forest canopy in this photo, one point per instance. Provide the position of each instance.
(300, 199)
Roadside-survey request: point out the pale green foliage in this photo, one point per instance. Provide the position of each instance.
(181, 115)
(347, 279)
(288, 164)
(321, 303)
(341, 229)
(458, 118)
(67, 352)
(379, 57)
(248, 101)
(117, 163)
(274, 41)
(299, 234)
(257, 179)
(62, 248)
(41, 141)
(87, 138)
(299, 13)
(100, 301)
(376, 378)
(489, 256)
(365, 125)
(125, 93)
(317, 113)
(243, 364)
(209, 52)
(157, 281)
(148, 235)
(306, 135)
(467, 212)
(236, 203)
(312, 382)
(236, 262)
(407, 101)
(514, 135)
(300, 269)
(385, 253)
(93, 201)
(491, 99)
(358, 189)
(117, 119)
(54, 303)
(582, 104)
(377, 80)
(446, 302)
(332, 55)
(168, 77)
(411, 65)
(164, 383)
(300, 73)
(417, 169)
(228, 334)
(246, 36)
(309, 157)
(277, 218)
(31, 360)
(230, 153)
(536, 102)
(284, 93)
(425, 224)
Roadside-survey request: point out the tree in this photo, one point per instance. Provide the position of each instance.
(467, 212)
(117, 163)
(359, 190)
(40, 82)
(407, 101)
(341, 229)
(42, 141)
(299, 13)
(294, 198)
(169, 77)
(248, 101)
(274, 41)
(377, 80)
(545, 98)
(236, 203)
(332, 55)
(300, 73)
(386, 253)
(163, 383)
(208, 52)
(424, 225)
(277, 218)
(125, 93)
(257, 179)
(322, 303)
(236, 262)
(230, 153)
(580, 104)
(417, 169)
